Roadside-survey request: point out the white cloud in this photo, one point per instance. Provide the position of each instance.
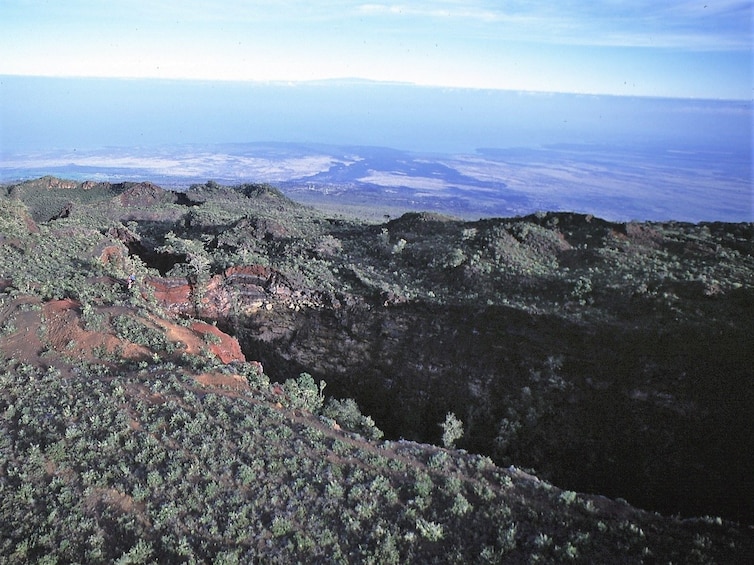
(476, 43)
(691, 25)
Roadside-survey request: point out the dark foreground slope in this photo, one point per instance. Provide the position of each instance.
(594, 352)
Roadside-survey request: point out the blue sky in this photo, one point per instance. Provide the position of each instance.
(687, 49)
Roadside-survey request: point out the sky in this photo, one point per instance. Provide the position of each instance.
(683, 49)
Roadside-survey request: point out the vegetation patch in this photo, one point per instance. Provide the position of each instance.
(413, 390)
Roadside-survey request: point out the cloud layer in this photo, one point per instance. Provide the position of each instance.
(568, 46)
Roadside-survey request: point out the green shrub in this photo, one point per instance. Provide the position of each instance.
(347, 414)
(130, 329)
(304, 393)
(430, 530)
(452, 430)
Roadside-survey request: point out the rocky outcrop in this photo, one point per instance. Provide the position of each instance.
(239, 291)
(111, 254)
(225, 347)
(146, 194)
(263, 228)
(173, 294)
(66, 327)
(50, 182)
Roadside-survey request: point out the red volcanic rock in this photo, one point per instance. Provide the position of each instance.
(61, 305)
(246, 288)
(220, 380)
(54, 182)
(243, 290)
(144, 194)
(123, 234)
(216, 300)
(110, 253)
(227, 348)
(174, 294)
(259, 272)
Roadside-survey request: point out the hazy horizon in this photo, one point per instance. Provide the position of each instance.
(42, 113)
(665, 90)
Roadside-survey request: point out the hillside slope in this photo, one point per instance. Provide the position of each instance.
(135, 429)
